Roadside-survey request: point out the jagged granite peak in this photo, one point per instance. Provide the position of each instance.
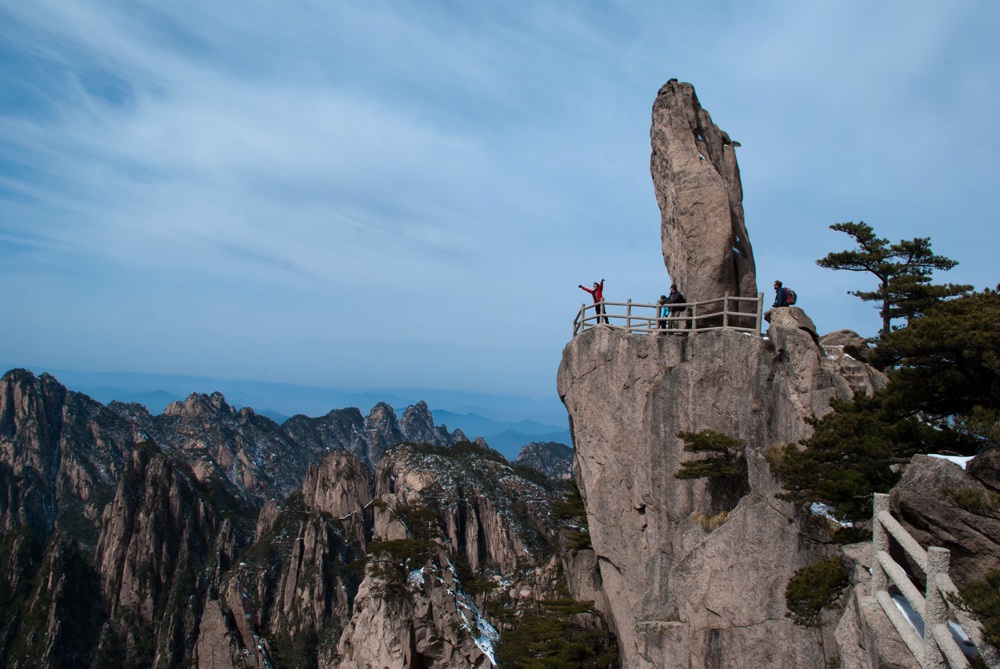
(338, 486)
(418, 425)
(199, 405)
(551, 458)
(60, 455)
(696, 178)
(490, 513)
(368, 437)
(682, 590)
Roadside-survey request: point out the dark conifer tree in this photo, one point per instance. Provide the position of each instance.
(903, 270)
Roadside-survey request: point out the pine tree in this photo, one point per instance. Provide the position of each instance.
(903, 270)
(943, 396)
(724, 455)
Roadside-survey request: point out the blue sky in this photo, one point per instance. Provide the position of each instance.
(407, 194)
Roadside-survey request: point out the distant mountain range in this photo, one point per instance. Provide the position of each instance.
(506, 437)
(507, 422)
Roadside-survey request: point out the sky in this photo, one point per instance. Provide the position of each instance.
(374, 194)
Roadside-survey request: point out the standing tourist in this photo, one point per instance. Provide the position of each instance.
(598, 294)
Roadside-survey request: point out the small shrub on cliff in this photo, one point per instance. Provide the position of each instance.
(713, 522)
(391, 562)
(982, 599)
(813, 588)
(980, 502)
(570, 508)
(724, 455)
(559, 635)
(471, 583)
(851, 454)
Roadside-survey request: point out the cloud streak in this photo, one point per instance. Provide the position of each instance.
(408, 195)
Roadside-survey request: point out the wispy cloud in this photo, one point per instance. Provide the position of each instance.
(381, 189)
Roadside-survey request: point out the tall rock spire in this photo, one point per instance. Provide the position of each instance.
(697, 181)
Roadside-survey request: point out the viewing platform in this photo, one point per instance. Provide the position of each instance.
(743, 314)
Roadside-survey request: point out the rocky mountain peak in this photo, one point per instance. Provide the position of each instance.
(551, 458)
(199, 405)
(696, 179)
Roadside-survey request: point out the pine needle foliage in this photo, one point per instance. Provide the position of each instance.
(391, 562)
(982, 599)
(813, 588)
(980, 502)
(903, 270)
(570, 509)
(851, 454)
(947, 363)
(724, 455)
(554, 638)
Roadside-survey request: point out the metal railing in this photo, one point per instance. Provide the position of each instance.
(933, 607)
(723, 313)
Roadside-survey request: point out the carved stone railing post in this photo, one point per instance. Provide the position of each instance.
(760, 311)
(935, 607)
(880, 542)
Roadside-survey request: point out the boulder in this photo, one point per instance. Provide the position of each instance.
(934, 518)
(849, 341)
(791, 317)
(985, 467)
(696, 178)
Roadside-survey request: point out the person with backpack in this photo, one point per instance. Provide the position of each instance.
(598, 294)
(780, 296)
(783, 297)
(675, 297)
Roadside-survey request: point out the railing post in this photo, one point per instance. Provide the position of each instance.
(760, 311)
(725, 310)
(880, 542)
(935, 607)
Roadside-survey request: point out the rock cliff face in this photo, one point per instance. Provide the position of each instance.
(681, 589)
(697, 182)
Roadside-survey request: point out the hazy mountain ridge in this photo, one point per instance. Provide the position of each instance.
(289, 399)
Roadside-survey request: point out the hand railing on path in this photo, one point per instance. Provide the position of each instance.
(933, 607)
(743, 314)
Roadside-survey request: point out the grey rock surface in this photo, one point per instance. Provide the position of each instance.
(791, 317)
(696, 178)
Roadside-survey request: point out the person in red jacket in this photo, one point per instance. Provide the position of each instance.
(598, 294)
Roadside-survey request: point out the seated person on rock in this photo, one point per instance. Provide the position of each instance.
(780, 300)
